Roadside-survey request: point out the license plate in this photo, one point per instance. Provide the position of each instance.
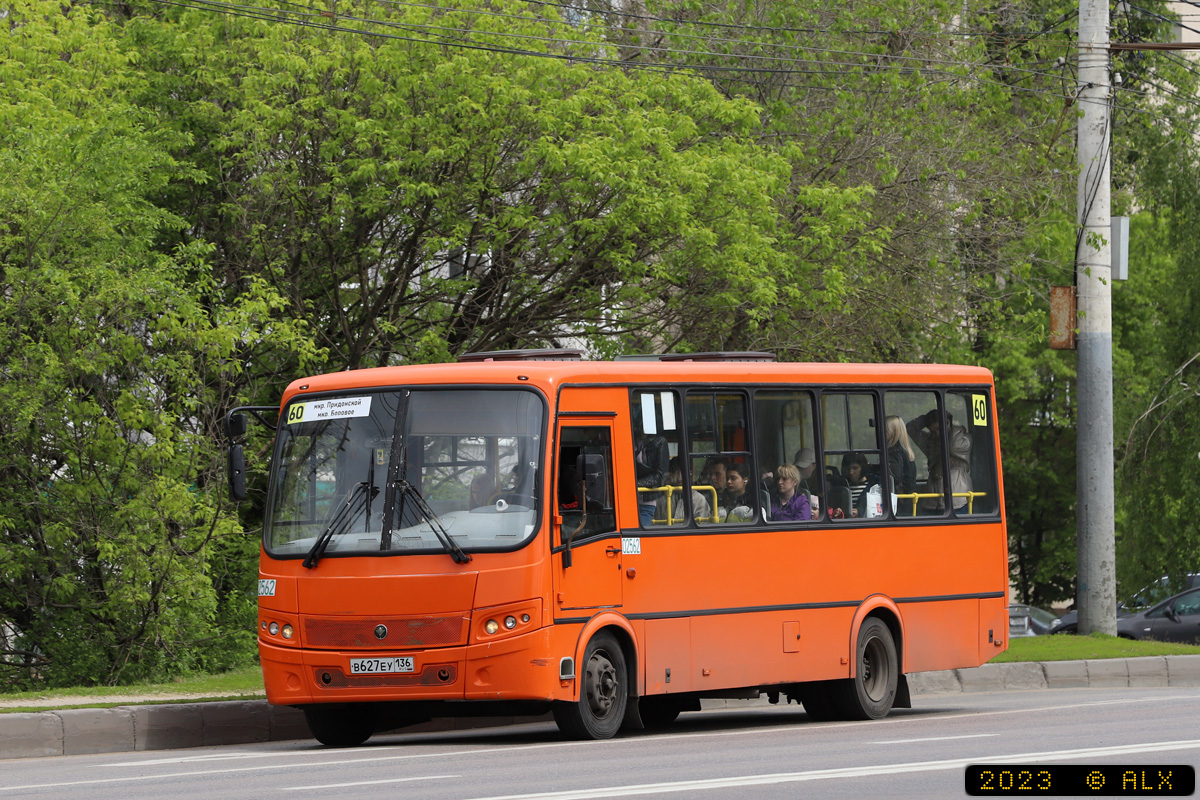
(368, 666)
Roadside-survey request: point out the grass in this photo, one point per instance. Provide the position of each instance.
(239, 684)
(1074, 648)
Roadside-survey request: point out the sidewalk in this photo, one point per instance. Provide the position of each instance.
(197, 724)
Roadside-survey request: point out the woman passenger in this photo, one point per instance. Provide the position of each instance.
(790, 505)
(901, 460)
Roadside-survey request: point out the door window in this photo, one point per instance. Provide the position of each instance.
(585, 486)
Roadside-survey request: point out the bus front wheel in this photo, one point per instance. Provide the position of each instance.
(603, 692)
(342, 726)
(872, 691)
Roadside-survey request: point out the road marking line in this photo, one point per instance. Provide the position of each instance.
(914, 767)
(939, 738)
(341, 760)
(365, 783)
(846, 772)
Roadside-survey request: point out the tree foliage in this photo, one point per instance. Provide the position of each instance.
(111, 510)
(414, 202)
(199, 206)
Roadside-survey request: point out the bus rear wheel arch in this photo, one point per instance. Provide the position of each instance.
(603, 692)
(874, 689)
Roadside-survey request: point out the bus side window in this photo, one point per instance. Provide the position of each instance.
(585, 483)
(972, 452)
(656, 433)
(908, 441)
(853, 456)
(784, 433)
(720, 448)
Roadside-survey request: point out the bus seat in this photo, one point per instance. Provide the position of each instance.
(839, 497)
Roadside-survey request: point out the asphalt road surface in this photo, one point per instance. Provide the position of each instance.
(760, 753)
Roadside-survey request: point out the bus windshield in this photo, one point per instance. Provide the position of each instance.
(467, 472)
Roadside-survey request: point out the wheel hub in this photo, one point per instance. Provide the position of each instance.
(601, 685)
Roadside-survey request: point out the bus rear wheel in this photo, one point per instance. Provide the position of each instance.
(872, 691)
(344, 726)
(603, 693)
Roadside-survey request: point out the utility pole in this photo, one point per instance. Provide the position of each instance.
(1097, 584)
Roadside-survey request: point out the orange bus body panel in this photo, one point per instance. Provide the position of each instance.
(701, 609)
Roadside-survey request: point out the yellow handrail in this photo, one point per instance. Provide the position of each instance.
(915, 496)
(670, 490)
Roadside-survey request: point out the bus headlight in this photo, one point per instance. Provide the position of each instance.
(273, 628)
(287, 631)
(499, 622)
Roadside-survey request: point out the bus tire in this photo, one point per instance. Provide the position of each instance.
(341, 726)
(658, 711)
(872, 691)
(603, 692)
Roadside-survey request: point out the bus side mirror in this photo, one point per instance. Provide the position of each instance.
(235, 426)
(237, 471)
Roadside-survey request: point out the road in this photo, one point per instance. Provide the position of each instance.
(757, 752)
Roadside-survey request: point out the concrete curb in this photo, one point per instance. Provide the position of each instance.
(1144, 672)
(179, 725)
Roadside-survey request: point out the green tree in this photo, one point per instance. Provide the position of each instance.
(1156, 345)
(939, 119)
(115, 370)
(416, 201)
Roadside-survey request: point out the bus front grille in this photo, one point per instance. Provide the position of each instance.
(386, 633)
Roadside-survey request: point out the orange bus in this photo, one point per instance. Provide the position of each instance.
(612, 541)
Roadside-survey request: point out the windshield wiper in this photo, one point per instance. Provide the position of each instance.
(439, 530)
(359, 499)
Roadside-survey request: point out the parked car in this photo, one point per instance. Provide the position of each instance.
(1176, 619)
(1069, 622)
(1024, 620)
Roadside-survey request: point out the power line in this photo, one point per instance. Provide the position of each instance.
(1160, 17)
(728, 72)
(286, 17)
(443, 30)
(819, 31)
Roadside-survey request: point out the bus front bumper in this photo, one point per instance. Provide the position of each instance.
(523, 667)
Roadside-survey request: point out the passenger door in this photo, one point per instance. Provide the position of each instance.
(586, 542)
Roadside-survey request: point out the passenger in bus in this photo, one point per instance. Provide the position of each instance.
(925, 431)
(738, 499)
(701, 508)
(651, 462)
(854, 470)
(806, 463)
(789, 504)
(483, 489)
(902, 464)
(715, 474)
(810, 477)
